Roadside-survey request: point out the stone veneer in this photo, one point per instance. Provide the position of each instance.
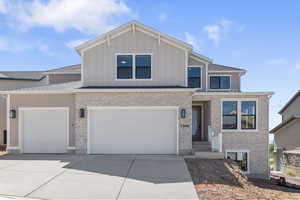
(180, 99)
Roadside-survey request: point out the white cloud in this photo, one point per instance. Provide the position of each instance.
(224, 26)
(189, 38)
(93, 16)
(162, 17)
(13, 45)
(3, 7)
(277, 61)
(213, 32)
(74, 43)
(297, 66)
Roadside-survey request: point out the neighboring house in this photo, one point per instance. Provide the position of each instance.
(287, 133)
(142, 92)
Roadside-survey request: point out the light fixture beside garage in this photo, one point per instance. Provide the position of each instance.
(12, 114)
(183, 113)
(81, 112)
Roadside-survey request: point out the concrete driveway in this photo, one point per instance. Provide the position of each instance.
(95, 177)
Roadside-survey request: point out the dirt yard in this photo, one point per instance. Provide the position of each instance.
(219, 179)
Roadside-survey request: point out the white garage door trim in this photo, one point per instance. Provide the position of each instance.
(131, 107)
(20, 125)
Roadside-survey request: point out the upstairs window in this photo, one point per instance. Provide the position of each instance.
(134, 66)
(219, 82)
(142, 66)
(194, 77)
(124, 67)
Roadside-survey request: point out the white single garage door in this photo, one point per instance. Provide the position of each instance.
(44, 130)
(132, 130)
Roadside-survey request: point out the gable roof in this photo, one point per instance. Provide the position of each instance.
(132, 26)
(289, 102)
(71, 69)
(222, 68)
(285, 123)
(22, 75)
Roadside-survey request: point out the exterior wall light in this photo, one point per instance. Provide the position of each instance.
(81, 113)
(12, 114)
(183, 113)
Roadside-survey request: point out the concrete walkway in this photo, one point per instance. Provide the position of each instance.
(95, 177)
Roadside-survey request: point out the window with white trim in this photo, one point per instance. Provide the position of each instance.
(219, 82)
(239, 114)
(194, 77)
(240, 157)
(134, 66)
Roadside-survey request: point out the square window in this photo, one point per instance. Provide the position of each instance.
(219, 82)
(241, 158)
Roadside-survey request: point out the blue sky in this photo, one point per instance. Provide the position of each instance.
(260, 36)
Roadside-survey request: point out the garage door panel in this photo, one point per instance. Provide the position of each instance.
(44, 131)
(133, 131)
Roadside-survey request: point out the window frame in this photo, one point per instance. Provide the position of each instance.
(133, 66)
(187, 75)
(219, 75)
(240, 151)
(236, 115)
(239, 115)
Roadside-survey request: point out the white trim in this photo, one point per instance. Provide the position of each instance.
(206, 77)
(200, 58)
(201, 77)
(240, 151)
(8, 120)
(176, 108)
(98, 41)
(233, 94)
(101, 90)
(20, 131)
(219, 75)
(239, 120)
(231, 71)
(82, 66)
(133, 66)
(186, 68)
(128, 27)
(50, 73)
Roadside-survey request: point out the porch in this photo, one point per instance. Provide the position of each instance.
(206, 142)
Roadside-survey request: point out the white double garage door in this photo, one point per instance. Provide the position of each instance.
(110, 130)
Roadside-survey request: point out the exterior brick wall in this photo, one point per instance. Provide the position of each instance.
(256, 142)
(180, 99)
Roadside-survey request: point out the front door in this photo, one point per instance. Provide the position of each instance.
(196, 122)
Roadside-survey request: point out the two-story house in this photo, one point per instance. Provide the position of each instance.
(287, 133)
(143, 92)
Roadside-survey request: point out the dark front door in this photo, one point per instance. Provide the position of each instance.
(196, 123)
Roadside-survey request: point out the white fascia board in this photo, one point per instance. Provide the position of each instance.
(128, 27)
(200, 57)
(47, 73)
(36, 92)
(233, 93)
(134, 90)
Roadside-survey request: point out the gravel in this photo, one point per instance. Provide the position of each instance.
(222, 179)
